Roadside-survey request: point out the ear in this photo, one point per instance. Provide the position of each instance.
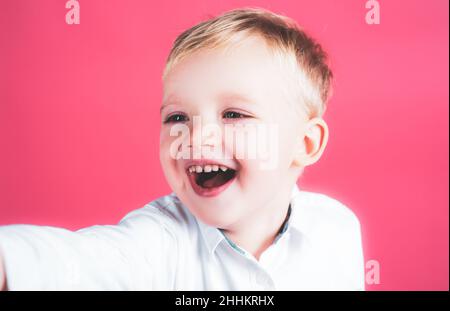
(313, 141)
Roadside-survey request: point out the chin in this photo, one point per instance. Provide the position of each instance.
(219, 216)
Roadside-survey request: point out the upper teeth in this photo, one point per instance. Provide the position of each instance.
(206, 168)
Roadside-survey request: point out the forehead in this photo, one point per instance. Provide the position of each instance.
(247, 69)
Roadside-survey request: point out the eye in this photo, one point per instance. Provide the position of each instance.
(175, 118)
(233, 115)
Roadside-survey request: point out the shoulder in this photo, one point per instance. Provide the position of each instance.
(321, 214)
(334, 233)
(167, 212)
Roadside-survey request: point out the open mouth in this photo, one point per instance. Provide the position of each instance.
(210, 180)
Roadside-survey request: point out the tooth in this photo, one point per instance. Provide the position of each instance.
(207, 168)
(223, 168)
(198, 169)
(215, 168)
(192, 169)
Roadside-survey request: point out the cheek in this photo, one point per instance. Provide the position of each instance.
(252, 179)
(168, 162)
(269, 168)
(164, 150)
(266, 151)
(175, 141)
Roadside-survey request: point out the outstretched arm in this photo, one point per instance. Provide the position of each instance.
(2, 275)
(119, 257)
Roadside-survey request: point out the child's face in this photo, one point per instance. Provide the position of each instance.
(230, 89)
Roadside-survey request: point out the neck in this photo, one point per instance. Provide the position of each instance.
(259, 230)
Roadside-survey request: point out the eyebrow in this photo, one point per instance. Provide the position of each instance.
(162, 107)
(170, 100)
(222, 97)
(235, 97)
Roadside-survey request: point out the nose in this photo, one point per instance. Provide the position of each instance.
(206, 132)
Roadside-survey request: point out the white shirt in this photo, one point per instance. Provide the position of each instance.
(162, 246)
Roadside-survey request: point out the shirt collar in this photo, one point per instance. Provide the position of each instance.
(298, 221)
(212, 235)
(295, 222)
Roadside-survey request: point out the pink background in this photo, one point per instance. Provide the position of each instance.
(79, 118)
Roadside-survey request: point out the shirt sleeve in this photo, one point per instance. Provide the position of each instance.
(347, 259)
(121, 257)
(356, 257)
(346, 244)
(337, 235)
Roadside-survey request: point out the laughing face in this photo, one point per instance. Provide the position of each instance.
(211, 99)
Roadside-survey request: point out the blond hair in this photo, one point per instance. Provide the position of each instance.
(304, 56)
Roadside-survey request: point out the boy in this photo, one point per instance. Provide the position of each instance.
(236, 219)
